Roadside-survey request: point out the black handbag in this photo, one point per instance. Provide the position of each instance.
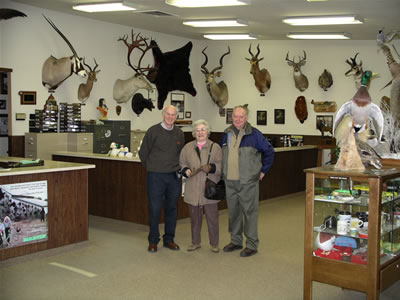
(212, 190)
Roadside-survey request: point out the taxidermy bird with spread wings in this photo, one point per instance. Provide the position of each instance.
(361, 108)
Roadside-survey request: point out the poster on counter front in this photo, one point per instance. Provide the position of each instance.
(23, 213)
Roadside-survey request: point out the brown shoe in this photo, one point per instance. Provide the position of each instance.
(247, 252)
(232, 247)
(152, 248)
(171, 245)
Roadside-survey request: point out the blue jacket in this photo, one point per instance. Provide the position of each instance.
(256, 154)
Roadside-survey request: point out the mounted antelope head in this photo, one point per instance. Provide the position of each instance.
(124, 89)
(300, 80)
(55, 71)
(218, 91)
(85, 88)
(262, 79)
(355, 70)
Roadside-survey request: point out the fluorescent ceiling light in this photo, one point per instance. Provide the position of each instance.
(216, 23)
(104, 6)
(319, 35)
(322, 20)
(207, 3)
(232, 36)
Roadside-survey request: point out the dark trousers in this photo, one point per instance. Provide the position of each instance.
(196, 218)
(162, 188)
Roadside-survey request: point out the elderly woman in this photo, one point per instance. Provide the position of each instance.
(195, 166)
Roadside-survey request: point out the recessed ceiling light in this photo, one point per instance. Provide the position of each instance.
(319, 35)
(104, 6)
(216, 23)
(231, 36)
(207, 3)
(322, 20)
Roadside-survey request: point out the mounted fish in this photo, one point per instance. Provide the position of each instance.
(55, 71)
(355, 70)
(124, 89)
(300, 80)
(324, 106)
(218, 91)
(171, 72)
(394, 68)
(139, 103)
(262, 78)
(325, 80)
(300, 109)
(85, 88)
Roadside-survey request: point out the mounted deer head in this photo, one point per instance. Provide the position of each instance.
(218, 91)
(355, 70)
(85, 88)
(124, 89)
(262, 79)
(56, 71)
(300, 80)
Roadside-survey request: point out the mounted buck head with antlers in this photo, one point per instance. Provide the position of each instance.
(55, 71)
(85, 88)
(355, 70)
(262, 78)
(218, 91)
(124, 89)
(300, 80)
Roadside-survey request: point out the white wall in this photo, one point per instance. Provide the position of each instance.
(27, 42)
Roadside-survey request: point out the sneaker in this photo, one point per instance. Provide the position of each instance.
(232, 247)
(193, 247)
(215, 249)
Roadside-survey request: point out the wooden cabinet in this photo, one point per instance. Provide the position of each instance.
(80, 142)
(42, 145)
(349, 253)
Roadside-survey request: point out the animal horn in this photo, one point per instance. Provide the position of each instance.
(61, 34)
(203, 66)
(250, 51)
(220, 60)
(258, 50)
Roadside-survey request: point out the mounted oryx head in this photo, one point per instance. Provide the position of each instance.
(262, 79)
(124, 89)
(355, 70)
(85, 88)
(56, 71)
(218, 91)
(300, 80)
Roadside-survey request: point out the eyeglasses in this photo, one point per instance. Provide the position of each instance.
(201, 130)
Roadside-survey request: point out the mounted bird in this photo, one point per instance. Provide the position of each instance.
(262, 78)
(325, 80)
(360, 107)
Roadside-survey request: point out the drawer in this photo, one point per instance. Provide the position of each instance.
(390, 275)
(30, 139)
(30, 154)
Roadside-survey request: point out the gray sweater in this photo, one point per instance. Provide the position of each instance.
(160, 149)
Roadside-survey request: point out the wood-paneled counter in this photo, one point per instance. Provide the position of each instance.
(117, 186)
(67, 192)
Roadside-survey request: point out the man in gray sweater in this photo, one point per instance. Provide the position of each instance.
(159, 154)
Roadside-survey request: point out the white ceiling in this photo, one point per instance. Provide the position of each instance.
(264, 16)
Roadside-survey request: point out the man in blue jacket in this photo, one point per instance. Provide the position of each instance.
(247, 156)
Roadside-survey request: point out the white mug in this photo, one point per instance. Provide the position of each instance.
(342, 227)
(344, 218)
(356, 222)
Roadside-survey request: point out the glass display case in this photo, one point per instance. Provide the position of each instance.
(352, 229)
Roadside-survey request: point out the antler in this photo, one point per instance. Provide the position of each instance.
(137, 42)
(61, 34)
(303, 60)
(220, 60)
(90, 69)
(290, 62)
(203, 66)
(353, 62)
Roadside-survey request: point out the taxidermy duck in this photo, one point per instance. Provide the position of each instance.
(360, 107)
(367, 154)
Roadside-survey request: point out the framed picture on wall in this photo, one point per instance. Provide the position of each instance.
(27, 97)
(188, 114)
(324, 123)
(4, 125)
(229, 112)
(279, 116)
(261, 117)
(3, 104)
(3, 83)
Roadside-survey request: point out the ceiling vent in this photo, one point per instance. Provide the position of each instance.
(156, 13)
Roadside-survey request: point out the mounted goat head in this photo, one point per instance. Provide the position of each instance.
(218, 91)
(262, 79)
(124, 89)
(85, 88)
(55, 71)
(355, 69)
(300, 80)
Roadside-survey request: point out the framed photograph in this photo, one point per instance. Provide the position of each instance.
(324, 123)
(229, 112)
(3, 83)
(27, 97)
(4, 125)
(222, 112)
(279, 116)
(188, 115)
(180, 106)
(3, 104)
(261, 117)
